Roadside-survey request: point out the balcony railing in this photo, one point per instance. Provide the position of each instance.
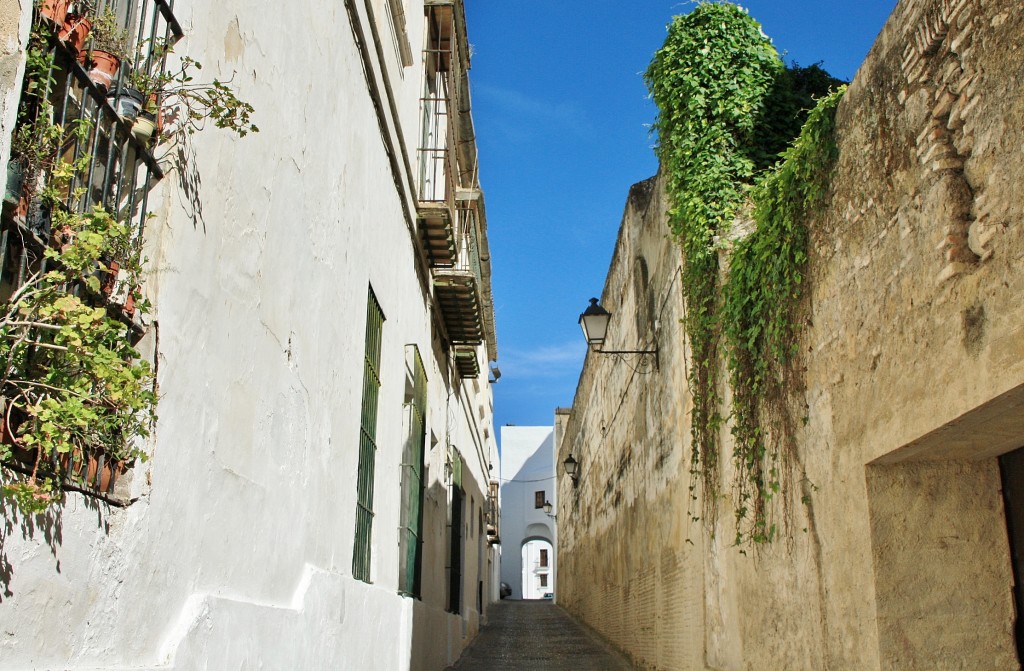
(457, 288)
(76, 147)
(438, 135)
(449, 198)
(467, 362)
(493, 514)
(66, 118)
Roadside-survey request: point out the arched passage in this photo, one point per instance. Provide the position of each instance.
(538, 573)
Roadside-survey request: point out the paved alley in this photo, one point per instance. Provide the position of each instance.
(537, 636)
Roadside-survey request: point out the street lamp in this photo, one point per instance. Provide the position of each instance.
(547, 509)
(572, 468)
(594, 321)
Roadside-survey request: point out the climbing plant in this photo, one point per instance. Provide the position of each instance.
(725, 99)
(760, 319)
(708, 80)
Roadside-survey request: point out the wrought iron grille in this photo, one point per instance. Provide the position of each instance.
(73, 149)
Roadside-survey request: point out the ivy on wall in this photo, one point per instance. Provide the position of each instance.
(760, 316)
(727, 107)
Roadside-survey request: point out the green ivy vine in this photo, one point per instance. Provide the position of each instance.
(727, 107)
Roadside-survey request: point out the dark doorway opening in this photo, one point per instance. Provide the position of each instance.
(1011, 470)
(455, 571)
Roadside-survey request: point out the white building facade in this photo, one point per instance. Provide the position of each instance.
(529, 540)
(318, 488)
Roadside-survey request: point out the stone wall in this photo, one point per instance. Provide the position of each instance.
(895, 555)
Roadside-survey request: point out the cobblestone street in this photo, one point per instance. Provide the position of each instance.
(537, 636)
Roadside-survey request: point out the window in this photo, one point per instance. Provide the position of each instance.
(544, 558)
(543, 579)
(367, 439)
(411, 533)
(538, 499)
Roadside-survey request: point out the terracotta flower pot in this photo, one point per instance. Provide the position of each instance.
(109, 474)
(154, 108)
(21, 210)
(55, 11)
(71, 464)
(62, 238)
(103, 476)
(104, 68)
(110, 278)
(74, 33)
(92, 466)
(10, 420)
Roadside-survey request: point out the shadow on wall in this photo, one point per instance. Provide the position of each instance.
(48, 525)
(429, 645)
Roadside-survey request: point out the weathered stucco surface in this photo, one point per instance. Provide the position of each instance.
(14, 29)
(914, 372)
(236, 551)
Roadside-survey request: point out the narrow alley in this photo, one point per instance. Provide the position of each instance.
(540, 636)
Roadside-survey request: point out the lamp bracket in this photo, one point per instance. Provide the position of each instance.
(644, 352)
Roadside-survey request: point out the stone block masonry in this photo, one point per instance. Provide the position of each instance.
(894, 551)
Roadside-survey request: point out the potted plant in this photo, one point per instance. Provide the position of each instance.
(127, 101)
(109, 48)
(54, 11)
(84, 399)
(74, 32)
(145, 126)
(176, 97)
(34, 149)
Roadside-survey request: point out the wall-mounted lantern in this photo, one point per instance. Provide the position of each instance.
(547, 509)
(572, 468)
(595, 320)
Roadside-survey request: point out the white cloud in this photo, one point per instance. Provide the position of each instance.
(550, 361)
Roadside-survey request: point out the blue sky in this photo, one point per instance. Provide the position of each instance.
(562, 116)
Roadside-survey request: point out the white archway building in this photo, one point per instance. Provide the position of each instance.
(528, 534)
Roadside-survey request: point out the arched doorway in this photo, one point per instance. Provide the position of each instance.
(538, 575)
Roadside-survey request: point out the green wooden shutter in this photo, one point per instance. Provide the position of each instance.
(367, 439)
(411, 533)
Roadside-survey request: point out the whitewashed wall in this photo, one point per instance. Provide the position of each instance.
(237, 552)
(15, 18)
(527, 467)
